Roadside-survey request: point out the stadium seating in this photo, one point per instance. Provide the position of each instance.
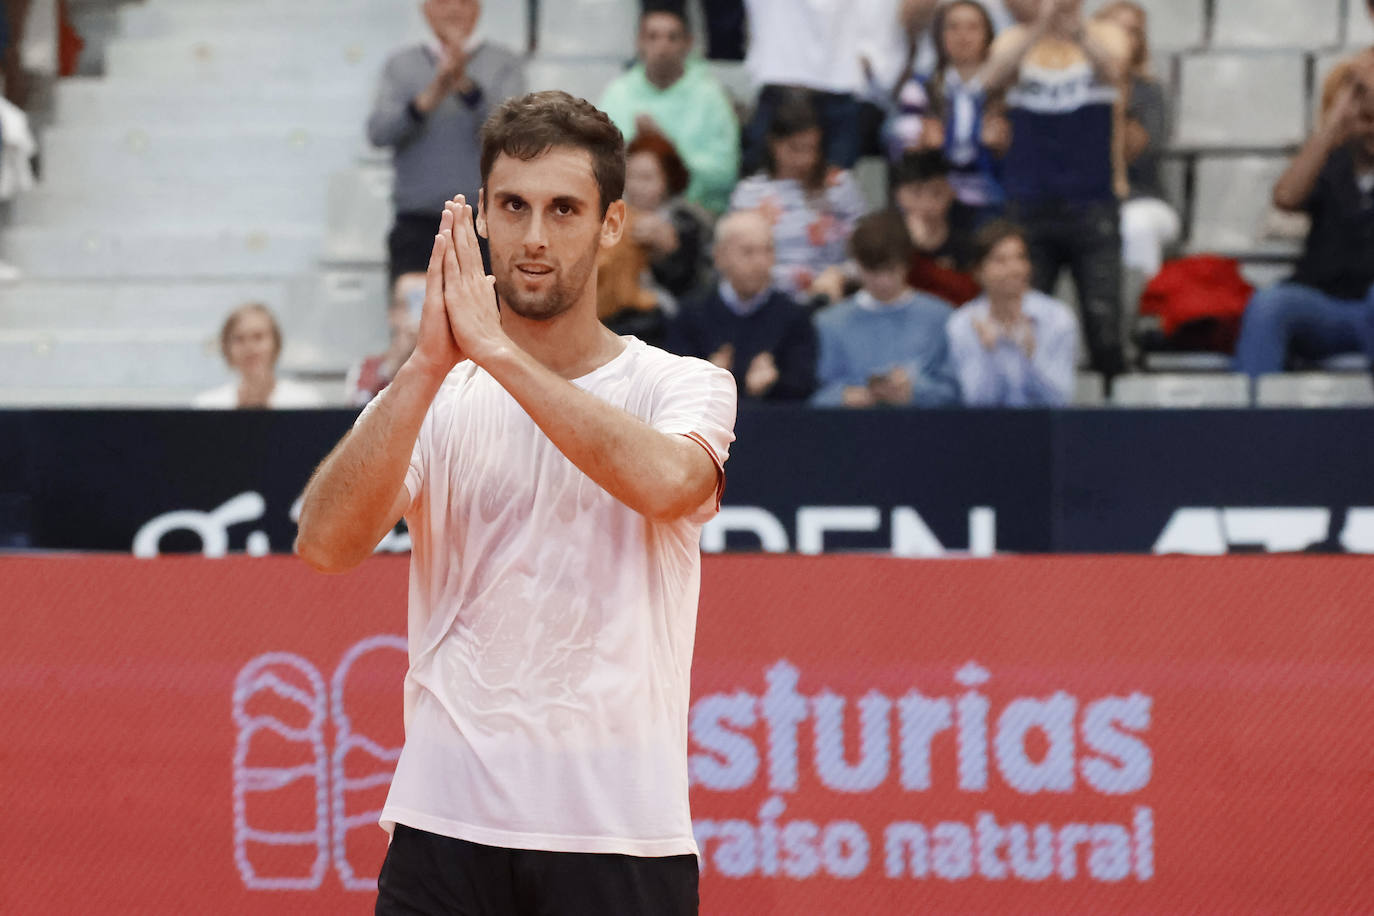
(582, 76)
(1314, 389)
(588, 28)
(1220, 99)
(1175, 25)
(1181, 390)
(1089, 390)
(1276, 24)
(1233, 202)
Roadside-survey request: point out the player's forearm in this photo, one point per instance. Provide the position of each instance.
(349, 503)
(660, 476)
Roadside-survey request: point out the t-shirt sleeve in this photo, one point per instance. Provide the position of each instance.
(698, 400)
(415, 473)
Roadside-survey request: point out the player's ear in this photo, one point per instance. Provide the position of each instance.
(481, 221)
(613, 224)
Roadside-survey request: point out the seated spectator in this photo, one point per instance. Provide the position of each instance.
(368, 377)
(1012, 346)
(667, 92)
(745, 325)
(668, 227)
(431, 103)
(1327, 306)
(250, 341)
(950, 111)
(626, 301)
(885, 345)
(1148, 224)
(940, 227)
(811, 207)
(1064, 173)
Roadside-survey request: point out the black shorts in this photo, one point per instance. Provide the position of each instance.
(425, 873)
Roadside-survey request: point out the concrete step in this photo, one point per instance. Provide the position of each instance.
(235, 58)
(88, 102)
(118, 255)
(169, 204)
(100, 304)
(124, 359)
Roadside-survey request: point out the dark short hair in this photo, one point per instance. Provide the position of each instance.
(530, 125)
(674, 169)
(795, 114)
(990, 236)
(881, 240)
(669, 7)
(227, 329)
(920, 167)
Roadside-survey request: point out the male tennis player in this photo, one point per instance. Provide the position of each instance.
(555, 478)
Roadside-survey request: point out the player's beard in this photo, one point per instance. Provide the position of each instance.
(555, 299)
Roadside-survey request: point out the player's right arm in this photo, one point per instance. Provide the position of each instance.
(358, 492)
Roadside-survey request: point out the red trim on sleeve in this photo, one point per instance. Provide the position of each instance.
(715, 459)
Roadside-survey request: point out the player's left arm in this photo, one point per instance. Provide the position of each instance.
(663, 476)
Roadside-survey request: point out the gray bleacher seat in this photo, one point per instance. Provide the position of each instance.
(1186, 361)
(734, 76)
(1242, 99)
(584, 77)
(1359, 29)
(359, 214)
(330, 57)
(183, 305)
(1181, 390)
(151, 203)
(337, 316)
(115, 357)
(1174, 24)
(1232, 203)
(1089, 390)
(1314, 389)
(118, 253)
(1276, 24)
(89, 102)
(588, 28)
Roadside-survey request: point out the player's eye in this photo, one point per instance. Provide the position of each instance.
(515, 205)
(564, 210)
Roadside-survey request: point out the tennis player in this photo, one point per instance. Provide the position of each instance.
(554, 478)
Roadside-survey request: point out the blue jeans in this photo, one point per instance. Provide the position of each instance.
(1293, 318)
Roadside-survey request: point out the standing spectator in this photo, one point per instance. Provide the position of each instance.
(950, 111)
(746, 326)
(1327, 306)
(1065, 170)
(1013, 346)
(811, 206)
(673, 231)
(940, 227)
(430, 105)
(724, 24)
(1148, 224)
(670, 93)
(885, 345)
(250, 342)
(368, 377)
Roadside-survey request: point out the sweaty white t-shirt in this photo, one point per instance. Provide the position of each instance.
(550, 626)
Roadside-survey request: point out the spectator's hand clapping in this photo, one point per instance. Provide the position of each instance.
(989, 332)
(645, 124)
(830, 284)
(892, 388)
(1344, 114)
(859, 396)
(762, 375)
(724, 357)
(997, 133)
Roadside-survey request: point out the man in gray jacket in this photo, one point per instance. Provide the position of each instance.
(431, 103)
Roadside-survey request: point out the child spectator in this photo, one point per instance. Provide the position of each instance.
(950, 111)
(1148, 224)
(1065, 170)
(1327, 306)
(811, 207)
(367, 378)
(250, 342)
(1012, 346)
(940, 227)
(745, 325)
(885, 345)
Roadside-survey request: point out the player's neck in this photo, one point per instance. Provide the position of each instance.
(571, 344)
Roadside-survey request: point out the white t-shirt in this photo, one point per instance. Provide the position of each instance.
(811, 43)
(286, 394)
(550, 626)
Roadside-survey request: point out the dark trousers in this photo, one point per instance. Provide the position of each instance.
(425, 873)
(1085, 237)
(839, 116)
(412, 239)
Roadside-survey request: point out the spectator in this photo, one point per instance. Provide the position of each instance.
(811, 207)
(1065, 172)
(724, 22)
(673, 231)
(1012, 346)
(940, 227)
(367, 378)
(669, 93)
(1327, 306)
(745, 325)
(950, 111)
(885, 345)
(250, 341)
(1148, 224)
(430, 106)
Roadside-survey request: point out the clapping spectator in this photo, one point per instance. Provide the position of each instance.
(950, 111)
(745, 325)
(1065, 170)
(1148, 224)
(668, 92)
(939, 226)
(673, 231)
(431, 103)
(1012, 346)
(886, 344)
(369, 376)
(811, 207)
(1327, 306)
(251, 343)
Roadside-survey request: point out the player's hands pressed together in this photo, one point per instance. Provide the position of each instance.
(436, 351)
(468, 292)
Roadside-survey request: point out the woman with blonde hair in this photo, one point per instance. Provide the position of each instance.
(250, 341)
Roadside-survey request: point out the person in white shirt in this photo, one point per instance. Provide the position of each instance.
(555, 478)
(250, 341)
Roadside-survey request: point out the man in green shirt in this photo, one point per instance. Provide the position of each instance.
(677, 96)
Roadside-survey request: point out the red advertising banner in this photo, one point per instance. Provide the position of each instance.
(868, 735)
